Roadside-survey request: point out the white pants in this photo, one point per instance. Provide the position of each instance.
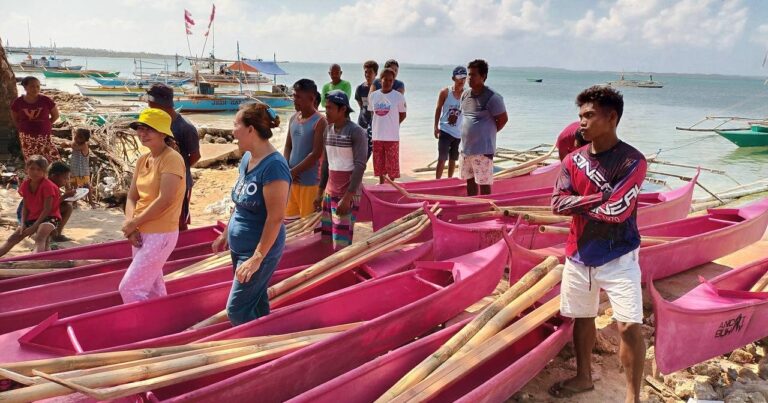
(620, 278)
(144, 278)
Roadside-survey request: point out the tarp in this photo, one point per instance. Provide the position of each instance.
(242, 66)
(270, 68)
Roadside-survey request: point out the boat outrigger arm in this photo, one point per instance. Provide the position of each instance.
(723, 121)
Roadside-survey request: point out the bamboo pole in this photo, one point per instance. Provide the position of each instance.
(675, 164)
(511, 311)
(381, 236)
(393, 243)
(160, 370)
(506, 212)
(429, 364)
(48, 264)
(13, 273)
(422, 196)
(645, 240)
(516, 173)
(214, 261)
(533, 218)
(736, 194)
(531, 163)
(445, 377)
(69, 366)
(760, 284)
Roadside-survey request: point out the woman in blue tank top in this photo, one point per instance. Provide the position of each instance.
(255, 234)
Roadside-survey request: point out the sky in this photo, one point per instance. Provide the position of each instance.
(665, 36)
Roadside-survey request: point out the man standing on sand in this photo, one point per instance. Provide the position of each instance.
(370, 70)
(160, 96)
(389, 112)
(598, 186)
(448, 121)
(336, 83)
(484, 116)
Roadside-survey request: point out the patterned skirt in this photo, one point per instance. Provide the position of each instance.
(38, 144)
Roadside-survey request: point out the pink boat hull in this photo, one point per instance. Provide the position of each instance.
(717, 317)
(540, 178)
(494, 381)
(431, 300)
(702, 239)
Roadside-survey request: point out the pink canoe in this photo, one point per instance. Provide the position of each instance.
(494, 381)
(717, 316)
(654, 208)
(119, 249)
(163, 321)
(698, 240)
(540, 178)
(404, 307)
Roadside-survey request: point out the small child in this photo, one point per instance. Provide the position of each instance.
(40, 215)
(388, 107)
(81, 169)
(59, 174)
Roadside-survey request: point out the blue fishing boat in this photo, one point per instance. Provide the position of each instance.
(140, 82)
(210, 103)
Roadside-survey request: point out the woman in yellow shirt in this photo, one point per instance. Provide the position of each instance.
(153, 207)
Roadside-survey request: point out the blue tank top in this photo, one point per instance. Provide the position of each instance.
(302, 142)
(450, 116)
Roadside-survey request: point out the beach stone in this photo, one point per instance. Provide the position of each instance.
(748, 375)
(605, 344)
(741, 357)
(208, 138)
(751, 348)
(706, 369)
(523, 397)
(684, 388)
(756, 397)
(220, 140)
(762, 368)
(705, 391)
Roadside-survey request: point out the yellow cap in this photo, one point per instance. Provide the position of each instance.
(156, 119)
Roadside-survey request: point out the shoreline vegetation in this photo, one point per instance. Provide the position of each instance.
(87, 52)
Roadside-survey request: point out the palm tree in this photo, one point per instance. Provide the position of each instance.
(7, 95)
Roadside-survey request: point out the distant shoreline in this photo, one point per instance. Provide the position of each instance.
(88, 52)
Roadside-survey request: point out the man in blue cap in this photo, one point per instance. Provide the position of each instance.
(160, 96)
(448, 120)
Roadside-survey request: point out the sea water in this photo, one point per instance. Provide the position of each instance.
(539, 111)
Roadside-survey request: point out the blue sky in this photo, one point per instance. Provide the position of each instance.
(686, 36)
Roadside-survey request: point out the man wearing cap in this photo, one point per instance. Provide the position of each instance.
(484, 116)
(448, 121)
(346, 154)
(336, 83)
(303, 149)
(152, 208)
(160, 96)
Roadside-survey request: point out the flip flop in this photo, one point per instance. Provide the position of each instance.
(562, 391)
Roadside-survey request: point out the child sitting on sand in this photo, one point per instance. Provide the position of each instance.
(81, 170)
(59, 174)
(40, 215)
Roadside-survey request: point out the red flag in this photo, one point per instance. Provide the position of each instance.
(189, 32)
(188, 17)
(213, 13)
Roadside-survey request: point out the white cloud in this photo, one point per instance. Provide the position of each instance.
(698, 23)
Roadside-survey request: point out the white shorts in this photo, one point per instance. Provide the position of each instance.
(479, 167)
(620, 278)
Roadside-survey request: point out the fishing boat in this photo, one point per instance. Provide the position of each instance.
(756, 136)
(622, 82)
(687, 242)
(114, 91)
(496, 380)
(198, 103)
(407, 305)
(164, 321)
(534, 80)
(117, 249)
(653, 208)
(139, 82)
(717, 317)
(79, 73)
(43, 63)
(539, 178)
(95, 286)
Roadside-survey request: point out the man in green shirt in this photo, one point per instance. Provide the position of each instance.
(336, 83)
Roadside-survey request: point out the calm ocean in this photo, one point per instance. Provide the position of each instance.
(538, 111)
